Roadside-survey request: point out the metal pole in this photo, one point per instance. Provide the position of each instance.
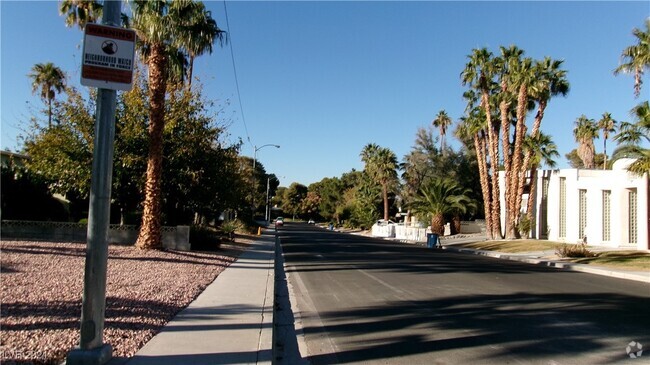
(266, 209)
(91, 349)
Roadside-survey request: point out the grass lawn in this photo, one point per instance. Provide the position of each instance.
(632, 260)
(629, 260)
(514, 246)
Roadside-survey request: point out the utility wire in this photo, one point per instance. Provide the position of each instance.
(234, 69)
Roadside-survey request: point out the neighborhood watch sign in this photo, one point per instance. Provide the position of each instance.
(108, 57)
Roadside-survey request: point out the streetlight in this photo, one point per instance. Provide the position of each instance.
(254, 165)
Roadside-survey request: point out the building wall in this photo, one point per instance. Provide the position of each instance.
(594, 182)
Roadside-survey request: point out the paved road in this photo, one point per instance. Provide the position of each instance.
(364, 300)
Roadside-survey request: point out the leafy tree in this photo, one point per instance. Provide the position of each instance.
(381, 166)
(310, 205)
(48, 80)
(330, 192)
(293, 199)
(22, 191)
(636, 58)
(62, 154)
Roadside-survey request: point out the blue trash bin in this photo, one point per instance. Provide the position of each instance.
(432, 240)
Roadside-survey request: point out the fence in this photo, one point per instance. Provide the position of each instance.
(416, 234)
(173, 238)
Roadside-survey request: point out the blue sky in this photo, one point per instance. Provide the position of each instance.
(323, 79)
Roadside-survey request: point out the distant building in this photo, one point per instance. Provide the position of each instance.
(7, 157)
(603, 207)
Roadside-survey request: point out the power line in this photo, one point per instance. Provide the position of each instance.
(234, 69)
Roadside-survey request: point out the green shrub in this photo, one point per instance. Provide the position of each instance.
(524, 226)
(577, 250)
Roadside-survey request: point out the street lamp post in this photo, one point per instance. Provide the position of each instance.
(254, 166)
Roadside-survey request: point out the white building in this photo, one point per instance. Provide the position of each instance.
(607, 207)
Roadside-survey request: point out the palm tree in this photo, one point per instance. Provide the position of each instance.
(472, 127)
(162, 35)
(636, 58)
(585, 132)
(523, 78)
(49, 80)
(541, 148)
(478, 73)
(631, 135)
(439, 198)
(80, 12)
(442, 121)
(608, 125)
(203, 33)
(381, 165)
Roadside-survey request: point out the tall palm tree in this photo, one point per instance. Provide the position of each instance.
(439, 198)
(608, 125)
(478, 73)
(381, 165)
(542, 149)
(442, 122)
(80, 12)
(636, 58)
(47, 79)
(631, 135)
(204, 32)
(585, 131)
(472, 127)
(523, 78)
(162, 35)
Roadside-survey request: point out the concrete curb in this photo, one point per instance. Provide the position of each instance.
(556, 264)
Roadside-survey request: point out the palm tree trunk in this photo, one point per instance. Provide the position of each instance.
(532, 196)
(384, 188)
(605, 152)
(438, 224)
(455, 226)
(493, 152)
(190, 72)
(479, 146)
(518, 175)
(49, 112)
(150, 235)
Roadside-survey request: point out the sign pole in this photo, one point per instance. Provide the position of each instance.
(91, 349)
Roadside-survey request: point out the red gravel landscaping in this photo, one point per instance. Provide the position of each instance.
(42, 285)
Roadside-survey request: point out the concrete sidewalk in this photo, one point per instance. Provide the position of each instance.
(231, 322)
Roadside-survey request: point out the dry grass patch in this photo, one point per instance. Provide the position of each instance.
(631, 260)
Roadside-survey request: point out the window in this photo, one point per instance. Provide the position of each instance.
(633, 226)
(562, 207)
(544, 207)
(607, 195)
(582, 214)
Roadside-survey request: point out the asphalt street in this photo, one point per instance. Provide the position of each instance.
(365, 300)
